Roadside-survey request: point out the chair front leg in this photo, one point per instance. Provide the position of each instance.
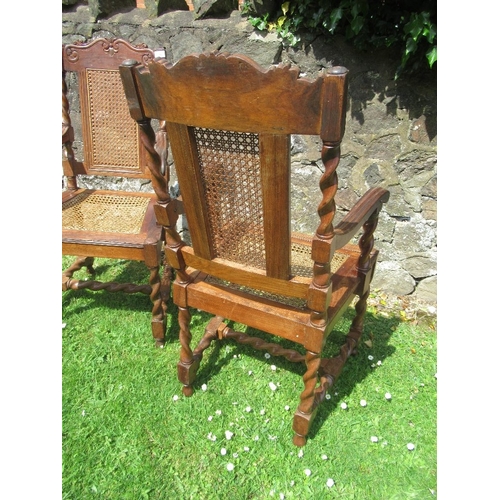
(306, 410)
(158, 314)
(186, 368)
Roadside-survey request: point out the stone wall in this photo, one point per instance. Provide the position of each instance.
(390, 137)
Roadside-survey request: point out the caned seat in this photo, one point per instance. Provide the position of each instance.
(116, 224)
(229, 123)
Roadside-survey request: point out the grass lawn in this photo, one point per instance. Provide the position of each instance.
(129, 433)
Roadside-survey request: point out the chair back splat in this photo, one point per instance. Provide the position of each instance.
(229, 123)
(114, 224)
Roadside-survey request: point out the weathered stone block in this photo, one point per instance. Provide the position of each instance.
(208, 8)
(154, 8)
(104, 7)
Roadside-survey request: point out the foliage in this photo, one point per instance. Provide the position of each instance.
(409, 25)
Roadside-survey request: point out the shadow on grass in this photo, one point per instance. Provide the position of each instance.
(378, 330)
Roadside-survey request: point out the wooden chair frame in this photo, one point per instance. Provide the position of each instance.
(112, 147)
(219, 92)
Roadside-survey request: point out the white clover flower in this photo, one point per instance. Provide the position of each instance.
(273, 368)
(267, 355)
(175, 398)
(235, 455)
(343, 406)
(282, 496)
(204, 387)
(336, 394)
(330, 482)
(256, 438)
(229, 435)
(218, 412)
(83, 413)
(287, 408)
(307, 472)
(262, 412)
(272, 386)
(388, 396)
(210, 418)
(250, 372)
(223, 451)
(379, 363)
(324, 457)
(374, 439)
(248, 409)
(230, 467)
(292, 483)
(273, 438)
(362, 402)
(211, 437)
(300, 454)
(410, 446)
(328, 396)
(246, 448)
(370, 357)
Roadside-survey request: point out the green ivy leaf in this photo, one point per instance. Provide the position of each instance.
(357, 23)
(432, 56)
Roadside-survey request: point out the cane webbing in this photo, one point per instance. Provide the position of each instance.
(113, 133)
(302, 265)
(230, 170)
(104, 213)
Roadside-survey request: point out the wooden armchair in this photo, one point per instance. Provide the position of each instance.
(229, 123)
(106, 223)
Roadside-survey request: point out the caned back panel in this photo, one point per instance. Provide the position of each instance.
(110, 135)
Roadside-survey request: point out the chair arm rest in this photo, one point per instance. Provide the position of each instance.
(370, 203)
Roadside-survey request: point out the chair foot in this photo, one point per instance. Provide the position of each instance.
(187, 390)
(158, 328)
(299, 440)
(301, 425)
